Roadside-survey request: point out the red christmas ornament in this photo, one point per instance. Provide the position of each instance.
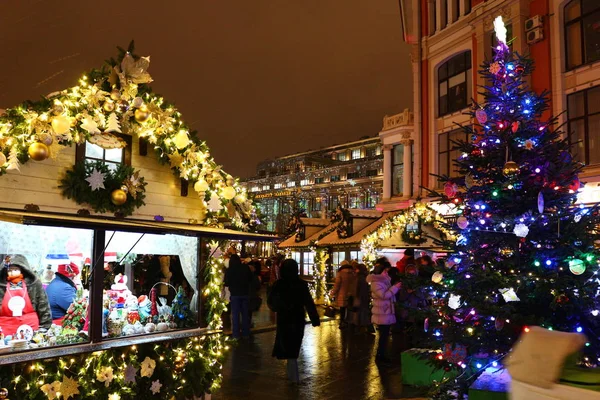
(450, 189)
(515, 126)
(519, 69)
(153, 307)
(575, 185)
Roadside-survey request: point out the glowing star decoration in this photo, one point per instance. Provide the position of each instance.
(105, 375)
(130, 373)
(51, 390)
(454, 301)
(68, 387)
(96, 180)
(437, 277)
(90, 125)
(509, 294)
(577, 266)
(175, 159)
(500, 29)
(521, 230)
(148, 366)
(155, 388)
(214, 204)
(529, 144)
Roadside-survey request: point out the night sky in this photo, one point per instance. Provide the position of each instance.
(257, 78)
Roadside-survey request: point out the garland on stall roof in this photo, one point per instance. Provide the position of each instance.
(319, 274)
(397, 223)
(118, 99)
(121, 190)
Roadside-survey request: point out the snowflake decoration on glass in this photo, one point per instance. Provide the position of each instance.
(96, 180)
(521, 230)
(155, 388)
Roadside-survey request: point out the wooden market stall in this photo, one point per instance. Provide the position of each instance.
(113, 259)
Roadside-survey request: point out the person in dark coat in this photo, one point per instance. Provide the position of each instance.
(61, 291)
(238, 278)
(361, 313)
(290, 299)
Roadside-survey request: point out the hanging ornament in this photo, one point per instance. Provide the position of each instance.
(240, 198)
(2, 159)
(511, 169)
(115, 95)
(499, 324)
(481, 116)
(495, 68)
(181, 140)
(61, 124)
(229, 180)
(506, 252)
(45, 138)
(454, 301)
(470, 181)
(96, 180)
(515, 126)
(521, 230)
(142, 114)
(519, 69)
(437, 277)
(89, 125)
(123, 106)
(201, 186)
(462, 222)
(576, 266)
(118, 197)
(113, 124)
(38, 151)
(138, 102)
(109, 106)
(450, 189)
(509, 294)
(529, 144)
(575, 185)
(426, 325)
(228, 192)
(540, 202)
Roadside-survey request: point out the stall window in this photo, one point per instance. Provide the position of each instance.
(291, 184)
(38, 259)
(447, 154)
(304, 182)
(336, 260)
(372, 198)
(137, 265)
(583, 113)
(582, 35)
(308, 263)
(353, 175)
(454, 84)
(112, 157)
(356, 255)
(278, 186)
(342, 156)
(354, 201)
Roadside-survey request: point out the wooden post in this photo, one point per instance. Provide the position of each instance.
(96, 286)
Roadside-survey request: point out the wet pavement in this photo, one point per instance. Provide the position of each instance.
(334, 364)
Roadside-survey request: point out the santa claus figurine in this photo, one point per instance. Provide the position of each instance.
(22, 296)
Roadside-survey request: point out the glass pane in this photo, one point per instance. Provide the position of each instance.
(573, 10)
(397, 179)
(93, 151)
(577, 134)
(398, 154)
(443, 163)
(468, 53)
(114, 155)
(443, 88)
(454, 154)
(576, 105)
(593, 100)
(443, 72)
(589, 5)
(456, 80)
(591, 26)
(594, 139)
(55, 261)
(573, 45)
(443, 105)
(457, 97)
(443, 142)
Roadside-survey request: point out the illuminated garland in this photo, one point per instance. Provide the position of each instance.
(319, 288)
(396, 223)
(179, 369)
(118, 99)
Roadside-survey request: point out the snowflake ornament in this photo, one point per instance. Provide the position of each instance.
(69, 387)
(155, 388)
(495, 68)
(96, 180)
(521, 230)
(454, 301)
(529, 144)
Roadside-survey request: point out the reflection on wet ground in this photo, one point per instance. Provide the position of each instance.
(334, 364)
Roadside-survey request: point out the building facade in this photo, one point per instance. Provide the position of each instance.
(314, 183)
(451, 38)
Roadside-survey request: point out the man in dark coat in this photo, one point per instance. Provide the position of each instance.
(62, 291)
(238, 278)
(290, 299)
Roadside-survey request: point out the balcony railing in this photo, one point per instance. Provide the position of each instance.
(405, 118)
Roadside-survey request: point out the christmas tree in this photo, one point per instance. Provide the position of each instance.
(181, 310)
(525, 251)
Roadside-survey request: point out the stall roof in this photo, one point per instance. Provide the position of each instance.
(332, 238)
(291, 241)
(134, 225)
(429, 232)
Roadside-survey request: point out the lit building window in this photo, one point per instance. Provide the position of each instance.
(278, 185)
(341, 156)
(319, 180)
(397, 169)
(334, 178)
(255, 189)
(356, 154)
(446, 152)
(266, 187)
(291, 184)
(454, 84)
(308, 263)
(583, 113)
(582, 36)
(304, 182)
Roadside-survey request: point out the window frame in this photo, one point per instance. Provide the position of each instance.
(449, 149)
(585, 117)
(80, 151)
(578, 20)
(467, 68)
(354, 152)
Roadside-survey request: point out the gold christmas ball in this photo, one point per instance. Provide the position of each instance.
(118, 197)
(142, 114)
(4, 393)
(2, 159)
(511, 169)
(201, 186)
(115, 95)
(228, 192)
(109, 106)
(61, 124)
(38, 151)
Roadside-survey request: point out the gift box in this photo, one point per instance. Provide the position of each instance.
(418, 371)
(492, 384)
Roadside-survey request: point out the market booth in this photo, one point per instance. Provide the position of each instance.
(113, 229)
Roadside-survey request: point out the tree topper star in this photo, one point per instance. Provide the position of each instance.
(96, 180)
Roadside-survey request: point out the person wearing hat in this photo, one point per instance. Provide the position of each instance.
(344, 289)
(62, 291)
(22, 297)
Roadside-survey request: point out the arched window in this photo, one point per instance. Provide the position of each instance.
(454, 84)
(582, 32)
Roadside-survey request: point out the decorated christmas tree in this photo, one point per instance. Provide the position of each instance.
(525, 251)
(181, 310)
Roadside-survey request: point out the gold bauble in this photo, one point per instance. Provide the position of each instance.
(511, 169)
(115, 94)
(38, 151)
(118, 197)
(229, 192)
(109, 106)
(2, 159)
(4, 393)
(142, 114)
(181, 140)
(201, 186)
(61, 124)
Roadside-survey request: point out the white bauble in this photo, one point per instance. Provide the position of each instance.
(181, 140)
(138, 102)
(228, 192)
(201, 186)
(61, 124)
(462, 222)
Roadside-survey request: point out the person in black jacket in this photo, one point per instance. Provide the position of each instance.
(290, 298)
(238, 278)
